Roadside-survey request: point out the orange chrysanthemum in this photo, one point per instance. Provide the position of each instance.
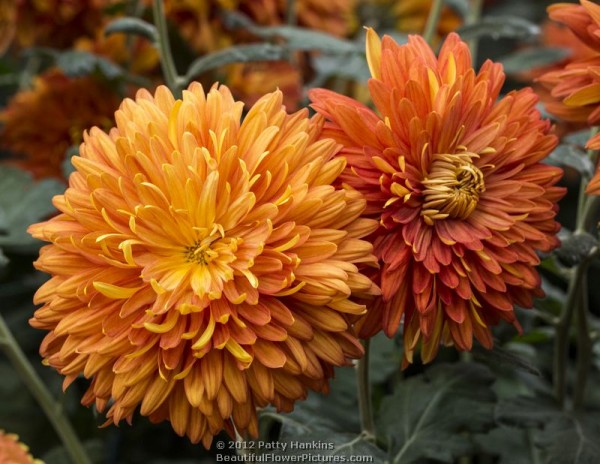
(12, 451)
(575, 88)
(40, 124)
(202, 267)
(454, 176)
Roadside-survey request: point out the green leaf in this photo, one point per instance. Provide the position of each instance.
(3, 259)
(527, 411)
(296, 38)
(235, 54)
(336, 411)
(573, 439)
(77, 63)
(385, 358)
(574, 157)
(496, 27)
(525, 60)
(134, 26)
(509, 444)
(505, 356)
(426, 415)
(324, 444)
(23, 202)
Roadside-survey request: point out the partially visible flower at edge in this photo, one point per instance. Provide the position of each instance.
(575, 87)
(455, 179)
(12, 451)
(202, 266)
(40, 124)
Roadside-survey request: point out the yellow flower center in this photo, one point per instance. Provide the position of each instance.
(452, 187)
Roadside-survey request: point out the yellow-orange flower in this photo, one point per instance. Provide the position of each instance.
(455, 178)
(8, 16)
(12, 451)
(40, 124)
(201, 266)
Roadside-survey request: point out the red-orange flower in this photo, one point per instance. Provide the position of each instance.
(455, 178)
(575, 89)
(12, 451)
(40, 124)
(202, 266)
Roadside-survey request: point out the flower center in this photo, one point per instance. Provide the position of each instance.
(452, 187)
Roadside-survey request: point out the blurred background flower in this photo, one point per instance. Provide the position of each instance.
(12, 451)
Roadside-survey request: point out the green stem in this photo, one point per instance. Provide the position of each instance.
(36, 386)
(475, 8)
(432, 21)
(290, 13)
(365, 405)
(584, 346)
(173, 80)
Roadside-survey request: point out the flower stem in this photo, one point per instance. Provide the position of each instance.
(584, 347)
(475, 8)
(577, 299)
(432, 21)
(365, 405)
(173, 80)
(290, 12)
(53, 411)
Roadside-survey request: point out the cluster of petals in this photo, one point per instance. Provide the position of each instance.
(453, 173)
(203, 266)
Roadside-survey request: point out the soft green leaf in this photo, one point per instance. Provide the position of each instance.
(23, 202)
(336, 411)
(497, 27)
(76, 63)
(426, 415)
(296, 38)
(509, 444)
(134, 26)
(527, 411)
(235, 54)
(574, 157)
(525, 60)
(322, 445)
(3, 258)
(506, 356)
(572, 439)
(385, 358)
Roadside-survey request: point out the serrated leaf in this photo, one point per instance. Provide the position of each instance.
(134, 26)
(510, 445)
(496, 27)
(297, 38)
(525, 60)
(504, 356)
(572, 439)
(23, 202)
(326, 444)
(574, 157)
(77, 63)
(426, 414)
(235, 54)
(336, 411)
(526, 411)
